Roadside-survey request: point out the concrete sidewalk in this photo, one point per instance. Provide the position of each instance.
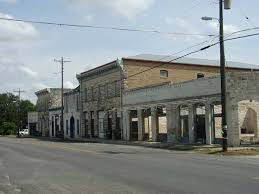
(158, 145)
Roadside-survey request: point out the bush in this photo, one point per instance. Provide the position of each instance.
(8, 128)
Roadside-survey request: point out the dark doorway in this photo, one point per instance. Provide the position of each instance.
(109, 131)
(33, 127)
(92, 123)
(72, 127)
(134, 130)
(52, 127)
(200, 129)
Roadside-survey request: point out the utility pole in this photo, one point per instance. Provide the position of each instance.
(227, 4)
(19, 111)
(62, 61)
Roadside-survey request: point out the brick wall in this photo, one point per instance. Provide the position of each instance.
(176, 72)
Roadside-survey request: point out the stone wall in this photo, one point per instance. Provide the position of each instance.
(240, 87)
(172, 91)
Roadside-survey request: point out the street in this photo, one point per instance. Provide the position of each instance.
(37, 166)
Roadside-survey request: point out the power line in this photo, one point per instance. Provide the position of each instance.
(62, 61)
(106, 27)
(177, 58)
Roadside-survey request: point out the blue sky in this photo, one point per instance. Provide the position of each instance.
(27, 51)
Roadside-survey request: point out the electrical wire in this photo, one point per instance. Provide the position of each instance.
(106, 27)
(177, 58)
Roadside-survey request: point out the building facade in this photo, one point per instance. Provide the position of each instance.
(49, 98)
(55, 122)
(100, 91)
(72, 110)
(102, 88)
(33, 119)
(192, 109)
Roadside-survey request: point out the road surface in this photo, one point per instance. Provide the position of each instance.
(36, 166)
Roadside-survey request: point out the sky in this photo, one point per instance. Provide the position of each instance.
(27, 51)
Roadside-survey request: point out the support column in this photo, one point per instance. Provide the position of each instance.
(105, 125)
(191, 124)
(233, 124)
(126, 125)
(208, 123)
(96, 130)
(140, 125)
(257, 131)
(154, 124)
(172, 117)
(114, 125)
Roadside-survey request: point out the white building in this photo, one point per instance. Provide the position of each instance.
(72, 114)
(54, 122)
(33, 118)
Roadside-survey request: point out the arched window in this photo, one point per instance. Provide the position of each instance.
(163, 73)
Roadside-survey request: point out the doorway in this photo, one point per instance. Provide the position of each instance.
(72, 127)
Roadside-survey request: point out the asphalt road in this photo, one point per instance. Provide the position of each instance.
(35, 166)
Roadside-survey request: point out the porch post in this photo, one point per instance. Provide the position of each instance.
(140, 125)
(191, 124)
(172, 118)
(154, 124)
(126, 125)
(208, 123)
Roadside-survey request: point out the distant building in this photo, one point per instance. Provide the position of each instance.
(55, 122)
(72, 107)
(49, 98)
(33, 118)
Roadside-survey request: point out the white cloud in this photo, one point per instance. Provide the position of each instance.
(8, 1)
(39, 86)
(16, 31)
(69, 84)
(228, 28)
(184, 26)
(89, 18)
(29, 72)
(126, 8)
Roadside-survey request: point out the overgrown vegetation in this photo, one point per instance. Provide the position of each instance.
(9, 116)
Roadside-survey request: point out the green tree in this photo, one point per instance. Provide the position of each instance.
(8, 128)
(26, 106)
(9, 106)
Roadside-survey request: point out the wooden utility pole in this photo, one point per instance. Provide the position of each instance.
(19, 111)
(62, 61)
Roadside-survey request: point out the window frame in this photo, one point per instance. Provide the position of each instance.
(165, 72)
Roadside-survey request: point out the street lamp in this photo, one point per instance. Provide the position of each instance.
(206, 18)
(227, 5)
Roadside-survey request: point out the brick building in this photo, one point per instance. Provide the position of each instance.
(101, 90)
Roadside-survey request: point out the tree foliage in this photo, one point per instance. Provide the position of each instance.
(9, 111)
(8, 128)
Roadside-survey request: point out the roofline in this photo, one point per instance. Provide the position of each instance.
(49, 90)
(94, 69)
(175, 62)
(75, 90)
